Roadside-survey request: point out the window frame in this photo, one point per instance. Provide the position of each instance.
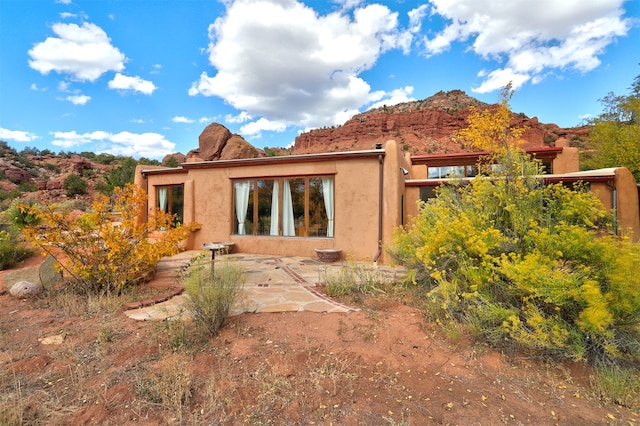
(257, 226)
(177, 217)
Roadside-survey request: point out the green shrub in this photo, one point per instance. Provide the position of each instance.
(21, 213)
(213, 289)
(354, 278)
(172, 162)
(74, 185)
(527, 265)
(617, 384)
(12, 249)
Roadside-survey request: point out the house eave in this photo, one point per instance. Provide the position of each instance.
(289, 159)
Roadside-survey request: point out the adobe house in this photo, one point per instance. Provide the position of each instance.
(351, 201)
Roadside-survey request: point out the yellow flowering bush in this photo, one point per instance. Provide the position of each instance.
(525, 264)
(528, 265)
(99, 255)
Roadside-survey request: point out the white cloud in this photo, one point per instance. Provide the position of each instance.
(137, 121)
(392, 98)
(78, 99)
(207, 119)
(136, 84)
(416, 16)
(67, 15)
(529, 38)
(16, 135)
(83, 52)
(240, 118)
(499, 78)
(255, 128)
(297, 67)
(181, 119)
(150, 145)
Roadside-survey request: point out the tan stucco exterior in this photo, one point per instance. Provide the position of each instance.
(362, 213)
(375, 192)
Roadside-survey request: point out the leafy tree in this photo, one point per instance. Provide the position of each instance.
(615, 137)
(98, 255)
(119, 176)
(148, 162)
(491, 130)
(172, 162)
(74, 185)
(525, 264)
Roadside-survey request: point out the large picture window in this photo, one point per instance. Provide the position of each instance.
(171, 200)
(287, 207)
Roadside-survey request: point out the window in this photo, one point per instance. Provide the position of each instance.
(171, 200)
(287, 207)
(451, 171)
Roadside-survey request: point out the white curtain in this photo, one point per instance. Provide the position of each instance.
(274, 209)
(327, 193)
(288, 222)
(162, 198)
(242, 203)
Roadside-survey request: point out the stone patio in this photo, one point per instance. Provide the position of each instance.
(273, 284)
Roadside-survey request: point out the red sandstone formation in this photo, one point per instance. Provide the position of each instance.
(421, 127)
(217, 143)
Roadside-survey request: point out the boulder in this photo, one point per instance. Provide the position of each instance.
(79, 164)
(14, 173)
(25, 289)
(212, 141)
(237, 147)
(53, 184)
(42, 271)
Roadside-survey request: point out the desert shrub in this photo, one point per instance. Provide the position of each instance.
(351, 278)
(527, 264)
(27, 186)
(74, 185)
(101, 257)
(213, 289)
(617, 384)
(21, 213)
(7, 195)
(12, 249)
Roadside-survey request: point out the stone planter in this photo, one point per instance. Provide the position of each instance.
(329, 255)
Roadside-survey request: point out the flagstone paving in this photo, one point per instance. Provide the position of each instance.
(273, 284)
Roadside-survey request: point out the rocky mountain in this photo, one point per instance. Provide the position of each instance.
(423, 127)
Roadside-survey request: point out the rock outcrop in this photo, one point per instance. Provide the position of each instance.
(37, 269)
(180, 158)
(216, 142)
(421, 127)
(237, 147)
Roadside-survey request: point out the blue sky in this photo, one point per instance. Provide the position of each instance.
(144, 77)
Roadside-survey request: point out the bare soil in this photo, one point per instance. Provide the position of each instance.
(66, 360)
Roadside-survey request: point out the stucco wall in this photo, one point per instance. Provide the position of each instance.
(628, 214)
(567, 161)
(209, 201)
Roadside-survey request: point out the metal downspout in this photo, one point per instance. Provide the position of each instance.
(379, 253)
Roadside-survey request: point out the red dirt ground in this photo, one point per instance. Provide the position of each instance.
(381, 365)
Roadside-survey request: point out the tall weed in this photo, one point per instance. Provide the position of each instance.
(214, 287)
